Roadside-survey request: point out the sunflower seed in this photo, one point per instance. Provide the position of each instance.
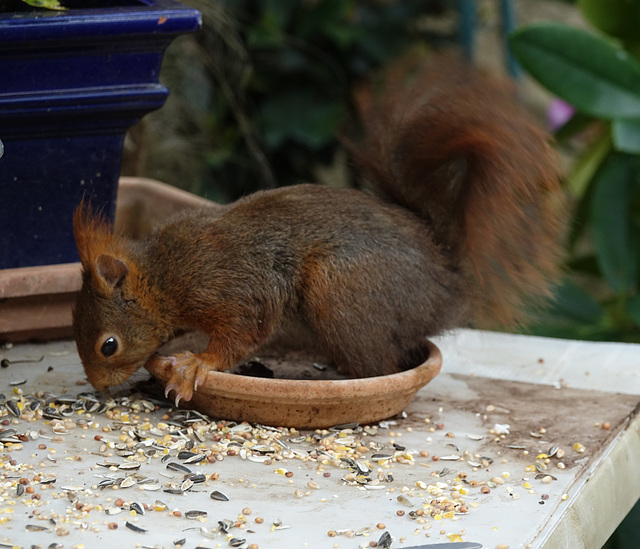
(404, 500)
(219, 496)
(128, 482)
(149, 487)
(35, 405)
(362, 468)
(194, 514)
(129, 465)
(300, 438)
(380, 457)
(173, 466)
(91, 407)
(107, 464)
(385, 541)
(72, 488)
(199, 436)
(35, 528)
(135, 506)
(196, 459)
(135, 528)
(344, 426)
(10, 439)
(543, 475)
(17, 382)
(50, 414)
(241, 428)
(106, 483)
(12, 407)
(225, 525)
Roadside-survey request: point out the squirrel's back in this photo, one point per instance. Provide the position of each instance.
(364, 277)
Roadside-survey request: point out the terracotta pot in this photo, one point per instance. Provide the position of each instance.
(307, 404)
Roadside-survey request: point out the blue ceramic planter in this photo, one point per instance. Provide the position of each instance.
(71, 84)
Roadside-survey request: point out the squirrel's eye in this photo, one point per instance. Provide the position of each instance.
(109, 347)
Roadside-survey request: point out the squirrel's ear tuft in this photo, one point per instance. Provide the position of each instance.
(82, 230)
(92, 232)
(110, 271)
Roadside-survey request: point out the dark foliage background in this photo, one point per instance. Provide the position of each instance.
(260, 93)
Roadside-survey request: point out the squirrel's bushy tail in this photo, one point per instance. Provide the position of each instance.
(455, 147)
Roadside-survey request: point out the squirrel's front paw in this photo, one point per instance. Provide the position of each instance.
(187, 372)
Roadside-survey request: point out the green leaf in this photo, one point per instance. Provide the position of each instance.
(46, 4)
(571, 301)
(626, 135)
(611, 222)
(585, 167)
(594, 75)
(573, 314)
(576, 124)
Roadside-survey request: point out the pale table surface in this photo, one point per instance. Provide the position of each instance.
(539, 393)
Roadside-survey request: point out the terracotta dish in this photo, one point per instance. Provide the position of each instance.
(307, 403)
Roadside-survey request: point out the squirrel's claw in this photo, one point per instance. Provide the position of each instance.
(188, 371)
(173, 387)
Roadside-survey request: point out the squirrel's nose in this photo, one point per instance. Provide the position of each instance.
(97, 380)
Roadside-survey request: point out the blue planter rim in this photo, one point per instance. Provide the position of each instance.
(172, 17)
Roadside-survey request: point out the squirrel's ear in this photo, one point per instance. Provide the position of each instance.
(110, 271)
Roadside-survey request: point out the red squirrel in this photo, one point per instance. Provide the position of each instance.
(463, 224)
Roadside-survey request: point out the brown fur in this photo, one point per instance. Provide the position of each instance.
(468, 227)
(501, 209)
